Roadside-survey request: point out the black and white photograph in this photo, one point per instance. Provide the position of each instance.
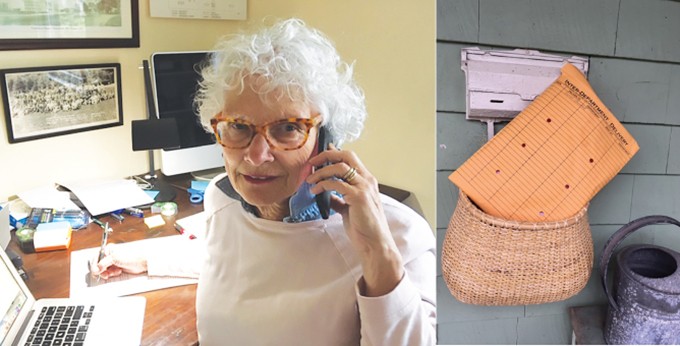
(49, 101)
(55, 24)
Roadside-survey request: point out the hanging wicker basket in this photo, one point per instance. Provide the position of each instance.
(487, 260)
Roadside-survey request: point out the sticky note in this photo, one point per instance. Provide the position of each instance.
(154, 221)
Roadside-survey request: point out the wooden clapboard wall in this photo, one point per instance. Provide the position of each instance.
(635, 69)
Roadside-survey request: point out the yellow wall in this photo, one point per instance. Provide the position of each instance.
(392, 42)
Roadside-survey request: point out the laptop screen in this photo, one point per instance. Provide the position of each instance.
(12, 298)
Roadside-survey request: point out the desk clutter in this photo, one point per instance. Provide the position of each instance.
(44, 218)
(47, 229)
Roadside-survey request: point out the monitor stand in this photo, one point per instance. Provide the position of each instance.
(166, 193)
(207, 174)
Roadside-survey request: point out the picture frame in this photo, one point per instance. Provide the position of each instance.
(42, 102)
(55, 24)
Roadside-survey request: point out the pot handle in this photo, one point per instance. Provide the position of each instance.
(619, 236)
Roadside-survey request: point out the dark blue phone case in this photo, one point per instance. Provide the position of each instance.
(323, 200)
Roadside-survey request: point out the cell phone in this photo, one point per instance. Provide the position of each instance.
(323, 200)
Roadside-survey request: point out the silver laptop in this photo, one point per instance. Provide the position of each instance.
(65, 321)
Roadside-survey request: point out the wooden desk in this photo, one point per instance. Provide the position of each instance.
(170, 317)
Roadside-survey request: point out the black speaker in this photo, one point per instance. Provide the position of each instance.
(155, 134)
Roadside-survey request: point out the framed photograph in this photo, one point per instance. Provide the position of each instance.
(50, 101)
(52, 24)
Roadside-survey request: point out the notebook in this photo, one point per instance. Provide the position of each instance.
(64, 321)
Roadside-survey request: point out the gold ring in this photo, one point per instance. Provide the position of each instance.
(350, 175)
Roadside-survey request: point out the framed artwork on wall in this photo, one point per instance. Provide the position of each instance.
(52, 24)
(43, 102)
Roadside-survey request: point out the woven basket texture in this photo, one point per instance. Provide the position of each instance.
(487, 260)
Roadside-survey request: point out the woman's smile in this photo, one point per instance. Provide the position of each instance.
(259, 179)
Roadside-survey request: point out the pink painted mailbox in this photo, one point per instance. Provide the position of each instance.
(500, 84)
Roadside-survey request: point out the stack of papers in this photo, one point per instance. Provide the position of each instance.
(98, 197)
(48, 197)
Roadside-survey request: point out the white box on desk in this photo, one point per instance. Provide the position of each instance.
(52, 236)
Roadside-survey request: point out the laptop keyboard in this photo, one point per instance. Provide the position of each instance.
(61, 326)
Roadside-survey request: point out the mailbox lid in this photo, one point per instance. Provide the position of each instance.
(500, 84)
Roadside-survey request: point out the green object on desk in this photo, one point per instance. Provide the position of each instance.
(25, 239)
(165, 208)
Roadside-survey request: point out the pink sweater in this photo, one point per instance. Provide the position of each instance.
(273, 283)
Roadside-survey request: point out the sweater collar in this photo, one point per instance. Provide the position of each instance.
(302, 204)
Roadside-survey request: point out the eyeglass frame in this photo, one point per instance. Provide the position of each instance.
(261, 129)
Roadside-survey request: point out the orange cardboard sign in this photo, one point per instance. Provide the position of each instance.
(550, 161)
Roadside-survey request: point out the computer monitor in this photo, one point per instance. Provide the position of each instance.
(175, 82)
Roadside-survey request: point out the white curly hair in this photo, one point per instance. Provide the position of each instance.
(292, 60)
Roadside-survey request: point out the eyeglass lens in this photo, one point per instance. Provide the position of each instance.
(285, 134)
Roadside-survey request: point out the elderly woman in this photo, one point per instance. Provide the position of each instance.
(275, 271)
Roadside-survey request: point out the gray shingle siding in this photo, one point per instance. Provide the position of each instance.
(634, 53)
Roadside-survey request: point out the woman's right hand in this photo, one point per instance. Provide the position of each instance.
(117, 261)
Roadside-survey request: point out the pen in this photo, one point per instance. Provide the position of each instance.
(136, 212)
(118, 217)
(180, 229)
(105, 237)
(101, 224)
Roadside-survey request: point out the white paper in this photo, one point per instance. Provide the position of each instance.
(194, 225)
(4, 226)
(83, 284)
(48, 197)
(52, 234)
(18, 210)
(101, 197)
(199, 9)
